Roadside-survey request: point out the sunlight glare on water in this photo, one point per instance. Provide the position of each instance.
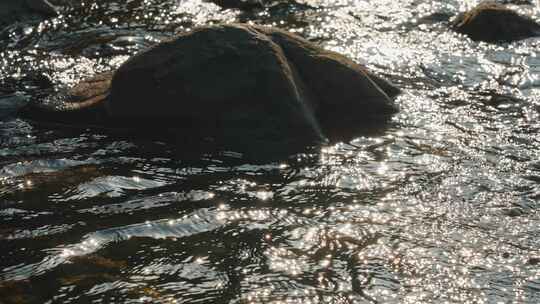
(439, 207)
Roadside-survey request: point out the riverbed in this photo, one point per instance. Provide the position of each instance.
(439, 206)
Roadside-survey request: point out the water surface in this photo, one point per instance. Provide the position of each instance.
(441, 206)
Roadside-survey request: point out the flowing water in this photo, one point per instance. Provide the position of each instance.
(440, 206)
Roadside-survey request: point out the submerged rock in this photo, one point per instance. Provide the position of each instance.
(13, 10)
(231, 81)
(492, 22)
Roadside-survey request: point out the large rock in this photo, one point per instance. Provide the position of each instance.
(232, 81)
(492, 22)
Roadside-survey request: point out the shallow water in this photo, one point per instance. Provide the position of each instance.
(440, 206)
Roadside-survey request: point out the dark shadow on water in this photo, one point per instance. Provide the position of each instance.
(347, 130)
(236, 143)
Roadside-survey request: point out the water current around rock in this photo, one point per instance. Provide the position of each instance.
(440, 206)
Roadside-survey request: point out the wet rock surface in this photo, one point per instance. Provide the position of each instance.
(493, 22)
(228, 80)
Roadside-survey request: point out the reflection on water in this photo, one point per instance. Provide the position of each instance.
(440, 207)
